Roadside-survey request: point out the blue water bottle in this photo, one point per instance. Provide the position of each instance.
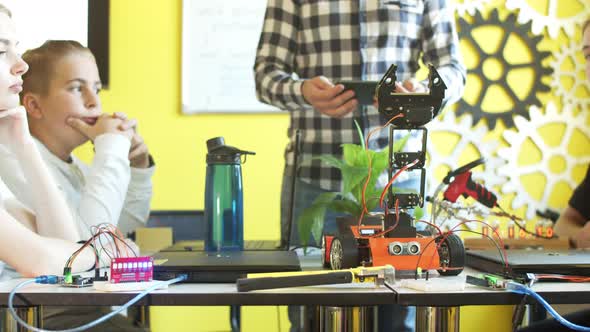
(224, 201)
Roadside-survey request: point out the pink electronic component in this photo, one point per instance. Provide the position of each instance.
(132, 269)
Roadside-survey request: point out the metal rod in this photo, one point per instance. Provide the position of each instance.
(437, 319)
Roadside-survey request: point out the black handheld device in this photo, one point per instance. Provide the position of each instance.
(364, 91)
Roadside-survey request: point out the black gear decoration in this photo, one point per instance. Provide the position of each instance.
(508, 26)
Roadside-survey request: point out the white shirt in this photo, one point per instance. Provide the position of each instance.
(4, 192)
(107, 191)
(6, 272)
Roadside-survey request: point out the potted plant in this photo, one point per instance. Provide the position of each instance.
(354, 167)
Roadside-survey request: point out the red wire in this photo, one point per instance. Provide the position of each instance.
(403, 169)
(363, 193)
(462, 223)
(431, 224)
(381, 233)
(361, 219)
(563, 277)
(392, 227)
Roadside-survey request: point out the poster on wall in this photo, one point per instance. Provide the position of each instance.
(219, 42)
(39, 20)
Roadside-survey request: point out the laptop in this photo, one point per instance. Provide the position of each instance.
(521, 262)
(187, 255)
(222, 267)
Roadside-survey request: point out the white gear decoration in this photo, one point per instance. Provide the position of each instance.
(468, 6)
(468, 136)
(529, 130)
(569, 95)
(550, 21)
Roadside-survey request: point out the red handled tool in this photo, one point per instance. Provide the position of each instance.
(460, 183)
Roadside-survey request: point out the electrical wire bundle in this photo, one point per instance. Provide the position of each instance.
(102, 235)
(107, 239)
(54, 280)
(386, 188)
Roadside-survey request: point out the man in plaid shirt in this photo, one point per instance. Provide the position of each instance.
(308, 45)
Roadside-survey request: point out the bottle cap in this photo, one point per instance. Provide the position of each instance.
(219, 153)
(215, 143)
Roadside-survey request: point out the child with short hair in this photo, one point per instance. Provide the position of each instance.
(38, 240)
(60, 94)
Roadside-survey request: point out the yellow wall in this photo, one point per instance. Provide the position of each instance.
(145, 83)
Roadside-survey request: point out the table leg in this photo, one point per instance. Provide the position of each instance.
(342, 319)
(437, 319)
(142, 316)
(31, 315)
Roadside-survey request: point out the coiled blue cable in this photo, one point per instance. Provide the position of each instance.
(521, 289)
(54, 280)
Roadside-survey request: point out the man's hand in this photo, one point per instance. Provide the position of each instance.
(410, 86)
(14, 129)
(139, 155)
(104, 124)
(582, 239)
(327, 98)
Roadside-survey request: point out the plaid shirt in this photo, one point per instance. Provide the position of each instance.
(348, 40)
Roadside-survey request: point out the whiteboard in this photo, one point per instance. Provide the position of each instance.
(39, 20)
(219, 41)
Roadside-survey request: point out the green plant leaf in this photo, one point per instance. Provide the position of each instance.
(346, 206)
(307, 221)
(353, 177)
(418, 213)
(360, 132)
(332, 161)
(311, 219)
(372, 198)
(354, 155)
(379, 162)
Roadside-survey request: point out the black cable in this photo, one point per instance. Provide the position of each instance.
(518, 313)
(491, 239)
(292, 189)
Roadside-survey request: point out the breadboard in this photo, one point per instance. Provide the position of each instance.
(438, 284)
(106, 286)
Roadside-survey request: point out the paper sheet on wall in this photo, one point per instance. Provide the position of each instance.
(219, 40)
